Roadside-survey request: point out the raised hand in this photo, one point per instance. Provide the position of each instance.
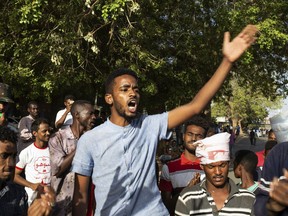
(234, 49)
(278, 193)
(195, 180)
(43, 205)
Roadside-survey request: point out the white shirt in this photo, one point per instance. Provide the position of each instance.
(36, 162)
(68, 120)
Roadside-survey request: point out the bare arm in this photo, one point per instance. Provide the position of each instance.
(21, 181)
(80, 198)
(231, 51)
(61, 121)
(66, 164)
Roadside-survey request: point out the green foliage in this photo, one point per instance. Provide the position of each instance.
(50, 48)
(244, 105)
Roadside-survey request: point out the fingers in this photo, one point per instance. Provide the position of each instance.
(279, 191)
(285, 173)
(249, 33)
(195, 180)
(226, 37)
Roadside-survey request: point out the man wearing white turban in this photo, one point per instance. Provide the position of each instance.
(217, 194)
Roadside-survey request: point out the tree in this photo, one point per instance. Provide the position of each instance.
(49, 48)
(244, 106)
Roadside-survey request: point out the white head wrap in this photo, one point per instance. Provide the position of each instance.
(279, 124)
(213, 149)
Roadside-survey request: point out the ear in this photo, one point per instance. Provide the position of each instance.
(239, 168)
(109, 99)
(34, 133)
(202, 167)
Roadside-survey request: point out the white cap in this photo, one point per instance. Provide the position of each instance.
(213, 149)
(279, 124)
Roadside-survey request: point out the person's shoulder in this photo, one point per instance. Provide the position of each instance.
(27, 149)
(193, 192)
(24, 118)
(61, 110)
(173, 162)
(198, 188)
(280, 148)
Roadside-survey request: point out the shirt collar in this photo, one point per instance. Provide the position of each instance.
(184, 160)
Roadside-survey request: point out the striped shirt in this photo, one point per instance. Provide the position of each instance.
(178, 173)
(197, 200)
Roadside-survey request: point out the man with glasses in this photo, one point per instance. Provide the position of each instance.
(179, 173)
(216, 194)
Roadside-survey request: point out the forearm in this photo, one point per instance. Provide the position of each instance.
(61, 121)
(80, 197)
(80, 207)
(26, 135)
(66, 164)
(21, 181)
(203, 97)
(212, 86)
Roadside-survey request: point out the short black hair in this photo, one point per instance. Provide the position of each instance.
(248, 159)
(32, 103)
(8, 134)
(198, 120)
(69, 97)
(117, 73)
(35, 125)
(78, 103)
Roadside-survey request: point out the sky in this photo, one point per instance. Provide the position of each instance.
(277, 111)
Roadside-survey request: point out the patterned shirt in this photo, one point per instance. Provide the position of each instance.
(197, 200)
(61, 144)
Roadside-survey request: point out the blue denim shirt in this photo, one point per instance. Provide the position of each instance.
(122, 163)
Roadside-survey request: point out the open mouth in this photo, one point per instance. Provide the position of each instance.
(132, 106)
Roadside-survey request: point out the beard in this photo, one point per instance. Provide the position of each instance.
(189, 149)
(122, 112)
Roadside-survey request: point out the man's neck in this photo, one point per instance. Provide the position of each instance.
(41, 144)
(77, 130)
(247, 180)
(219, 194)
(190, 156)
(120, 121)
(222, 189)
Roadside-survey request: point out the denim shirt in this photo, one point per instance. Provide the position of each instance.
(122, 160)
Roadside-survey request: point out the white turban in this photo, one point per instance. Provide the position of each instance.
(279, 124)
(213, 149)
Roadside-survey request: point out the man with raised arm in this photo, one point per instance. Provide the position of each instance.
(120, 153)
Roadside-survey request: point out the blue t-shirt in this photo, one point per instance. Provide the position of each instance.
(122, 163)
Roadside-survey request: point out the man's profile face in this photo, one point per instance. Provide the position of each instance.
(216, 173)
(87, 117)
(8, 152)
(192, 134)
(33, 110)
(125, 96)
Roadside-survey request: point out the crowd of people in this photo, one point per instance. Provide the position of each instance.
(111, 169)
